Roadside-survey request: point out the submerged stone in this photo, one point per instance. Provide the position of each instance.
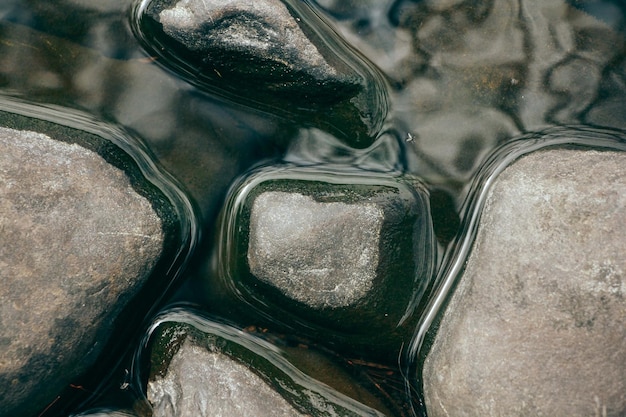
(270, 53)
(203, 368)
(348, 253)
(537, 322)
(294, 248)
(107, 413)
(79, 240)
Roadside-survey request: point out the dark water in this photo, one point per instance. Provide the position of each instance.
(462, 79)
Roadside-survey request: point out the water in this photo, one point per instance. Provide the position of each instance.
(461, 79)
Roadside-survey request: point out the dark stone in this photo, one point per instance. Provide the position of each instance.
(537, 322)
(81, 237)
(271, 54)
(351, 254)
(107, 413)
(200, 367)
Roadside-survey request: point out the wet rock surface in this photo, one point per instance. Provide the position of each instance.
(78, 243)
(324, 255)
(204, 368)
(202, 383)
(264, 32)
(536, 325)
(461, 78)
(272, 54)
(344, 253)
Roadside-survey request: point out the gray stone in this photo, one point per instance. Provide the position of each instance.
(204, 368)
(348, 253)
(330, 246)
(78, 242)
(323, 254)
(203, 383)
(259, 41)
(273, 54)
(537, 322)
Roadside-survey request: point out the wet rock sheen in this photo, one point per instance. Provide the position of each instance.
(261, 40)
(205, 368)
(273, 54)
(537, 324)
(349, 254)
(78, 242)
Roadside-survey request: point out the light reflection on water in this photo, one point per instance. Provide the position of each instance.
(463, 78)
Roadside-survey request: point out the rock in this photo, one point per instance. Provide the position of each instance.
(537, 322)
(351, 253)
(192, 136)
(272, 54)
(80, 238)
(203, 368)
(292, 247)
(200, 382)
(106, 413)
(259, 30)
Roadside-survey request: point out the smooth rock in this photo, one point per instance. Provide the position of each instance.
(264, 35)
(322, 254)
(205, 368)
(77, 243)
(537, 322)
(352, 253)
(273, 54)
(106, 413)
(203, 383)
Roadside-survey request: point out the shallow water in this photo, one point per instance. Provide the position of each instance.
(462, 79)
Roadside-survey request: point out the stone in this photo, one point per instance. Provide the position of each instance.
(348, 253)
(294, 248)
(106, 413)
(275, 54)
(537, 322)
(264, 32)
(204, 368)
(202, 383)
(79, 241)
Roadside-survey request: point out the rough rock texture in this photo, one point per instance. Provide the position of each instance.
(331, 246)
(257, 41)
(77, 242)
(324, 255)
(348, 254)
(212, 369)
(273, 54)
(203, 383)
(537, 324)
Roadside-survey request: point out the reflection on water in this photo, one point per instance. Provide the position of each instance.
(469, 75)
(463, 77)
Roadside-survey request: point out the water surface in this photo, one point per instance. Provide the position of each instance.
(462, 77)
